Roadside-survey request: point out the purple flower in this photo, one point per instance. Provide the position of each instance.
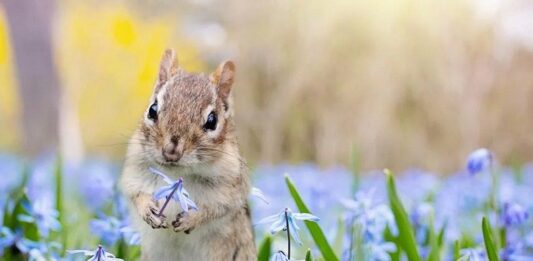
(513, 214)
(173, 190)
(479, 161)
(97, 255)
(279, 222)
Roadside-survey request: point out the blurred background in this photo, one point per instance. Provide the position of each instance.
(401, 83)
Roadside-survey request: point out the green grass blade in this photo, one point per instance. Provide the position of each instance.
(492, 252)
(434, 252)
(456, 250)
(308, 256)
(265, 249)
(314, 229)
(338, 242)
(406, 236)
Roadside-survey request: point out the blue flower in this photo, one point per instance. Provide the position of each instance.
(279, 256)
(372, 218)
(97, 183)
(513, 214)
(97, 255)
(279, 222)
(472, 254)
(479, 161)
(131, 236)
(34, 250)
(111, 229)
(43, 215)
(379, 251)
(174, 190)
(107, 228)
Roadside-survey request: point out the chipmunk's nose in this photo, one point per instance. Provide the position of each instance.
(171, 150)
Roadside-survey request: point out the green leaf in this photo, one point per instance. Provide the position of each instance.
(339, 237)
(456, 250)
(265, 249)
(308, 256)
(389, 237)
(492, 252)
(30, 230)
(440, 238)
(435, 250)
(406, 235)
(58, 175)
(315, 230)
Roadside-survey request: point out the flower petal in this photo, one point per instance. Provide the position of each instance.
(161, 174)
(163, 192)
(294, 231)
(268, 219)
(305, 216)
(259, 194)
(277, 226)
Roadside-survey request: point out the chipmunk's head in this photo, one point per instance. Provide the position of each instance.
(189, 116)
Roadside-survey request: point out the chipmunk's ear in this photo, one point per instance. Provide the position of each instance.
(223, 78)
(168, 66)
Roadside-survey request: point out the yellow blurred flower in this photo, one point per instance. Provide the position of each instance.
(8, 96)
(108, 59)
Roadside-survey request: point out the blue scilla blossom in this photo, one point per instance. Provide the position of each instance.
(131, 236)
(41, 184)
(34, 250)
(421, 220)
(9, 238)
(107, 229)
(320, 188)
(279, 256)
(472, 254)
(373, 218)
(479, 161)
(513, 214)
(173, 190)
(97, 183)
(279, 222)
(111, 229)
(43, 215)
(515, 252)
(379, 251)
(96, 255)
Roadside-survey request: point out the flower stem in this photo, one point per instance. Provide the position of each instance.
(166, 201)
(288, 235)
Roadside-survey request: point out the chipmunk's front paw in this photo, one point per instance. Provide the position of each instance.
(151, 217)
(184, 222)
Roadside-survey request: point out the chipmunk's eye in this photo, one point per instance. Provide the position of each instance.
(211, 123)
(152, 111)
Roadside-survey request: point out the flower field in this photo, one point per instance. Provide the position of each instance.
(52, 210)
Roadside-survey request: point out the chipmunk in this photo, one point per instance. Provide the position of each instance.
(188, 131)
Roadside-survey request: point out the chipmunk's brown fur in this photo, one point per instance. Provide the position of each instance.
(178, 143)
